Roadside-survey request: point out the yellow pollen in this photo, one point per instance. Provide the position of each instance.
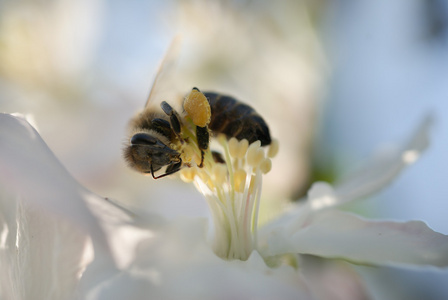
(239, 180)
(197, 107)
(273, 148)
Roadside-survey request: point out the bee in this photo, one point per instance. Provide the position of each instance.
(157, 139)
(236, 119)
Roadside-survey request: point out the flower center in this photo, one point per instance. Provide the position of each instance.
(231, 185)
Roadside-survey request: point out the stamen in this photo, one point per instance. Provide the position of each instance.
(242, 148)
(252, 183)
(255, 154)
(273, 148)
(187, 174)
(239, 178)
(265, 166)
(203, 175)
(233, 147)
(232, 190)
(219, 174)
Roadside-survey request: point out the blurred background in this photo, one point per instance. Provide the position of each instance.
(335, 80)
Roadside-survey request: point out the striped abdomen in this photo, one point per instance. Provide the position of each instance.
(236, 119)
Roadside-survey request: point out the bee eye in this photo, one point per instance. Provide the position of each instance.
(143, 139)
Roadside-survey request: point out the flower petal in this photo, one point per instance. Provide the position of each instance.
(124, 231)
(42, 257)
(379, 172)
(31, 170)
(337, 234)
(178, 263)
(332, 279)
(369, 179)
(45, 222)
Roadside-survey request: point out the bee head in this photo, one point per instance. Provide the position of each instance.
(147, 153)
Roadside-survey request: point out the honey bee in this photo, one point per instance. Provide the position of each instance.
(158, 139)
(236, 119)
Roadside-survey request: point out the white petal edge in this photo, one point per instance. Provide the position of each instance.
(335, 234)
(383, 169)
(31, 170)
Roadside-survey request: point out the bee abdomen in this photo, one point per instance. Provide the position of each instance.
(236, 119)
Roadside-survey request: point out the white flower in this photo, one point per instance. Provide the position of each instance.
(60, 241)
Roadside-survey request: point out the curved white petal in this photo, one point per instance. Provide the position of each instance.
(178, 263)
(30, 170)
(44, 220)
(381, 170)
(124, 231)
(336, 234)
(42, 257)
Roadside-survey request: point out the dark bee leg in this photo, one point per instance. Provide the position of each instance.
(203, 137)
(174, 118)
(162, 126)
(173, 168)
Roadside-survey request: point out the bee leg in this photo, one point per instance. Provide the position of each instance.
(173, 168)
(162, 126)
(174, 118)
(203, 137)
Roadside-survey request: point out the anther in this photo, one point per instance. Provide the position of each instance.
(233, 147)
(211, 184)
(202, 174)
(265, 165)
(255, 154)
(239, 178)
(273, 148)
(187, 174)
(242, 148)
(219, 174)
(188, 154)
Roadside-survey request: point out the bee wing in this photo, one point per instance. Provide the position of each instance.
(163, 87)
